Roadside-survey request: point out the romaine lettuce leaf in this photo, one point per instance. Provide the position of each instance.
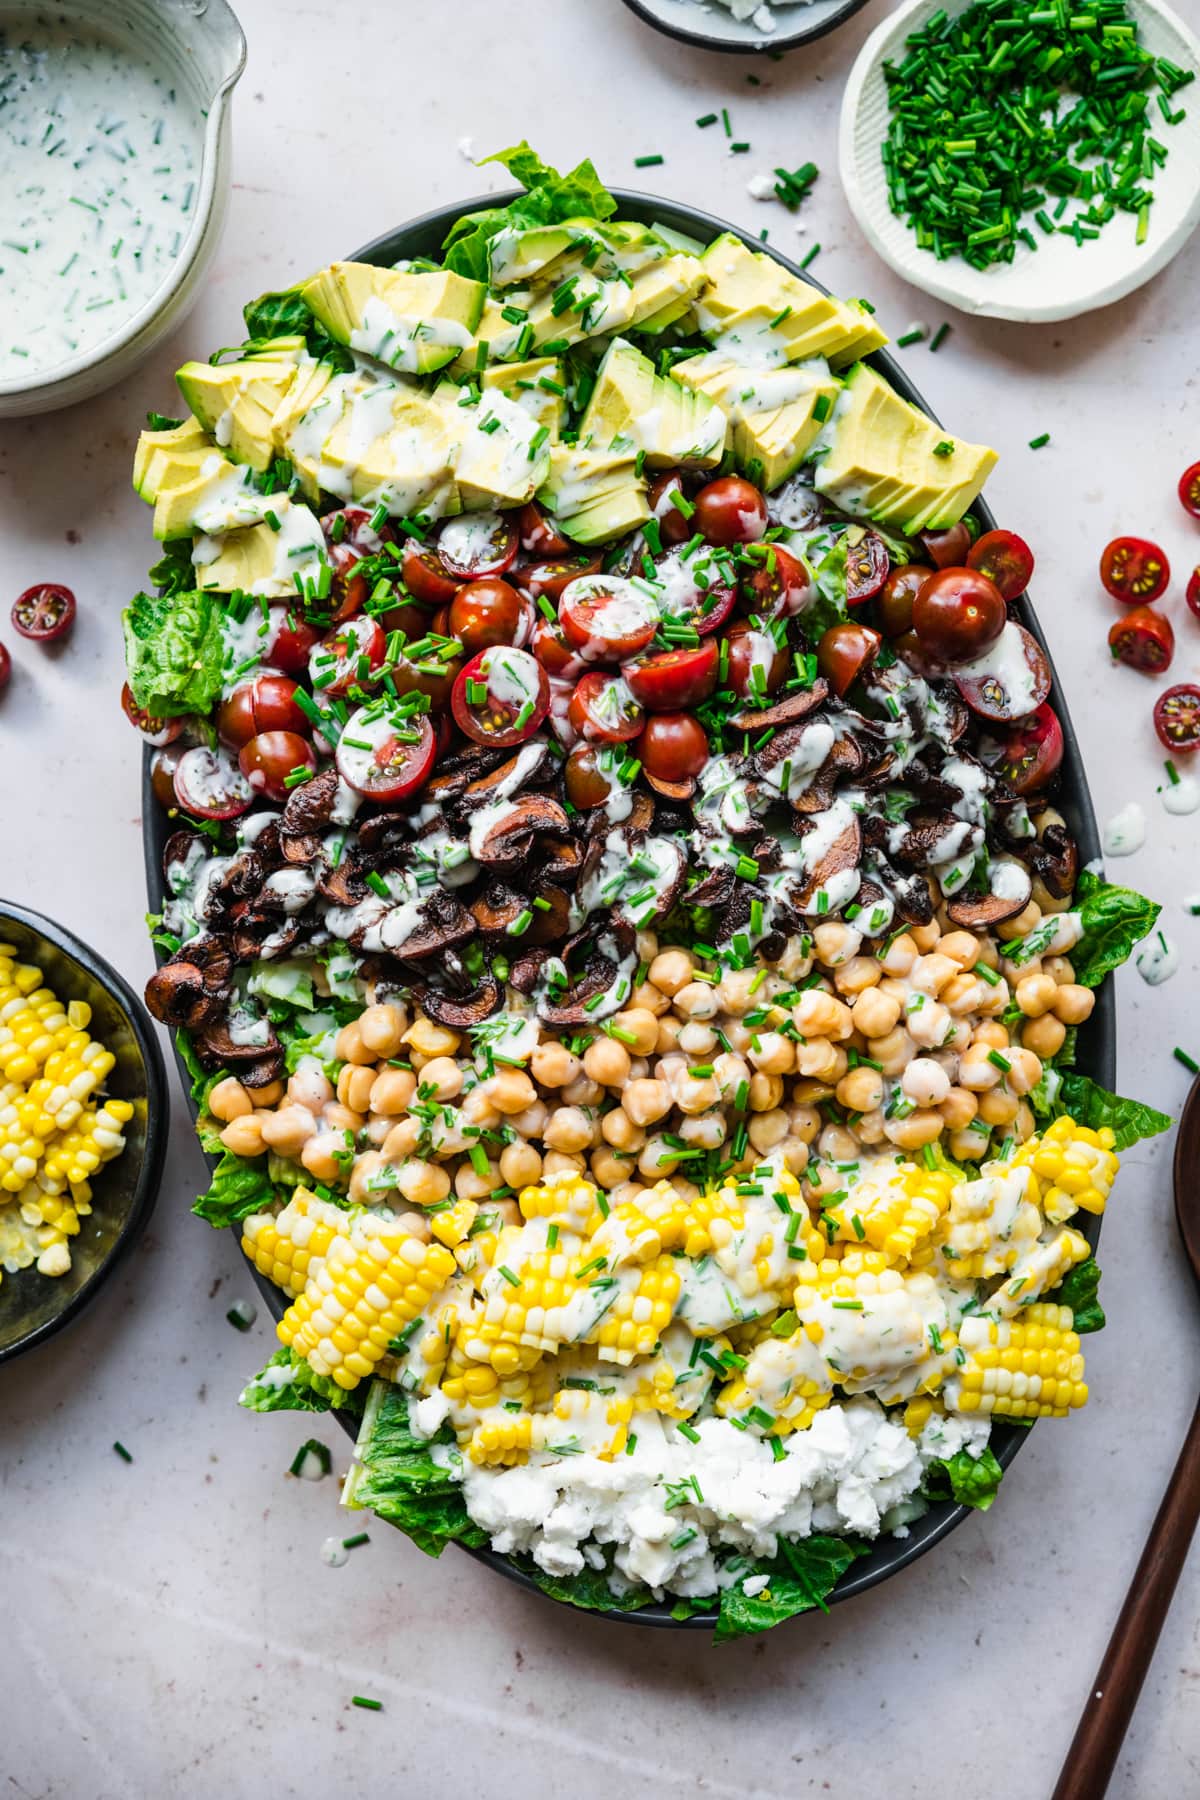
(1092, 1105)
(302, 1391)
(396, 1476)
(284, 314)
(828, 607)
(802, 1575)
(1115, 920)
(173, 652)
(1080, 1290)
(238, 1188)
(549, 197)
(969, 1480)
(589, 1590)
(156, 421)
(174, 572)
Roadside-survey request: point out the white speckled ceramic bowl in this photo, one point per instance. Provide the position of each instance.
(710, 26)
(1058, 280)
(201, 43)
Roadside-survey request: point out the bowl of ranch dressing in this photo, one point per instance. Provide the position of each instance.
(115, 147)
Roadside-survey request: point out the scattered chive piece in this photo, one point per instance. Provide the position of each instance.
(242, 1315)
(738, 149)
(646, 162)
(1181, 1056)
(811, 257)
(707, 119)
(125, 1456)
(311, 1447)
(1039, 443)
(689, 1432)
(915, 336)
(367, 1705)
(352, 1543)
(939, 337)
(1172, 772)
(725, 121)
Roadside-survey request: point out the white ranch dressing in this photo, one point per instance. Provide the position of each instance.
(1158, 959)
(1125, 832)
(1182, 797)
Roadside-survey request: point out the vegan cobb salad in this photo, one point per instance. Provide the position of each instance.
(616, 915)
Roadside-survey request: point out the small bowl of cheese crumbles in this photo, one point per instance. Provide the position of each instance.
(82, 1125)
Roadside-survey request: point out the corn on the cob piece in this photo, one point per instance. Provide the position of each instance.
(1038, 1271)
(287, 1247)
(639, 1312)
(990, 1224)
(474, 1387)
(785, 1383)
(877, 1329)
(1075, 1168)
(566, 1199)
(361, 1297)
(576, 1422)
(1028, 1368)
(892, 1209)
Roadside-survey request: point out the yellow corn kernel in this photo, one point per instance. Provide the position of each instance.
(1026, 1368)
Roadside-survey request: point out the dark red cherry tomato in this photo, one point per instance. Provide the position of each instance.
(673, 746)
(210, 785)
(1177, 717)
(958, 614)
(6, 668)
(674, 679)
(778, 586)
(268, 759)
(348, 543)
(475, 544)
(487, 611)
(845, 652)
(162, 775)
(552, 649)
(1005, 559)
(603, 708)
(426, 576)
(1030, 753)
(730, 511)
(500, 697)
(587, 777)
(44, 613)
(1189, 490)
(1009, 680)
(1143, 639)
(289, 639)
(429, 672)
(756, 663)
(349, 655)
(1192, 592)
(894, 606)
(538, 536)
(1134, 570)
(263, 702)
(383, 757)
(947, 549)
(412, 619)
(867, 565)
(913, 653)
(156, 731)
(550, 578)
(606, 617)
(673, 527)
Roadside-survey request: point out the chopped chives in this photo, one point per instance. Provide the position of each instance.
(367, 1705)
(647, 162)
(352, 1543)
(311, 1447)
(915, 336)
(812, 256)
(1181, 1056)
(242, 1315)
(125, 1456)
(1039, 443)
(707, 119)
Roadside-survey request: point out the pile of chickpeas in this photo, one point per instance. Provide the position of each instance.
(906, 1037)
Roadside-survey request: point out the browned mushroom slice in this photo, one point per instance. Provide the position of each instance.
(300, 848)
(215, 1044)
(460, 1011)
(344, 885)
(446, 923)
(844, 853)
(956, 713)
(258, 934)
(384, 830)
(642, 811)
(570, 1005)
(912, 899)
(713, 889)
(878, 769)
(552, 921)
(846, 758)
(180, 849)
(498, 908)
(176, 995)
(308, 809)
(1011, 889)
(786, 711)
(555, 857)
(934, 838)
(455, 773)
(523, 974)
(263, 1071)
(510, 834)
(673, 790)
(1055, 857)
(509, 777)
(241, 877)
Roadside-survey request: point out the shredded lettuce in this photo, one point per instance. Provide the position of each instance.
(302, 1391)
(1080, 1290)
(284, 314)
(828, 607)
(549, 198)
(173, 652)
(1092, 1105)
(802, 1576)
(1115, 920)
(238, 1188)
(396, 1476)
(969, 1480)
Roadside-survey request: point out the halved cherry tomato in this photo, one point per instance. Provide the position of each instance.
(156, 731)
(501, 696)
(537, 534)
(210, 785)
(730, 511)
(958, 614)
(913, 653)
(1189, 490)
(347, 546)
(585, 777)
(487, 611)
(673, 528)
(947, 549)
(475, 544)
(426, 672)
(1177, 717)
(673, 746)
(263, 702)
(1192, 592)
(162, 775)
(1134, 570)
(845, 652)
(867, 565)
(1010, 679)
(552, 649)
(5, 668)
(778, 586)
(426, 576)
(699, 590)
(550, 578)
(351, 654)
(607, 617)
(44, 613)
(383, 757)
(289, 639)
(894, 606)
(602, 707)
(1143, 639)
(756, 662)
(1031, 752)
(1005, 559)
(673, 679)
(268, 759)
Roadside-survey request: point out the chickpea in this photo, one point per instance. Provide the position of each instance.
(1024, 1071)
(931, 973)
(962, 995)
(857, 975)
(608, 1168)
(958, 1108)
(646, 945)
(707, 1130)
(1035, 995)
(618, 1130)
(994, 998)
(697, 1039)
(606, 1062)
(860, 1090)
(774, 1055)
(970, 1143)
(869, 1129)
(553, 1065)
(837, 1144)
(1021, 925)
(875, 1014)
(401, 1140)
(976, 1071)
(381, 1029)
(366, 1168)
(962, 947)
(559, 1162)
(354, 1086)
(695, 1094)
(893, 1052)
(667, 1040)
(308, 1087)
(824, 1182)
(818, 1059)
(697, 1000)
(244, 1135)
(796, 962)
(812, 1092)
(288, 1130)
(570, 1128)
(646, 1101)
(343, 1118)
(765, 1092)
(998, 1107)
(229, 1100)
(477, 1109)
(768, 1129)
(647, 998)
(925, 1081)
(1025, 1124)
(532, 1122)
(729, 1072)
(920, 1128)
(737, 1036)
(793, 1152)
(958, 1036)
(657, 1160)
(640, 1024)
(835, 943)
(520, 1165)
(392, 1091)
(987, 953)
(583, 1091)
(424, 1035)
(818, 1014)
(1045, 1037)
(804, 1122)
(423, 1183)
(376, 1128)
(319, 1156)
(349, 1046)
(444, 1075)
(469, 1184)
(509, 1090)
(734, 991)
(925, 937)
(927, 1025)
(991, 1032)
(1058, 968)
(900, 954)
(672, 970)
(1073, 1004)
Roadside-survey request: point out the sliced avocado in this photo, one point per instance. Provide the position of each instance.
(750, 301)
(777, 414)
(632, 408)
(591, 305)
(216, 496)
(518, 257)
(413, 322)
(274, 559)
(278, 349)
(156, 447)
(593, 497)
(537, 386)
(389, 442)
(503, 453)
(865, 335)
(237, 401)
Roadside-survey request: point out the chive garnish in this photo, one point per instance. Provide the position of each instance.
(125, 1456)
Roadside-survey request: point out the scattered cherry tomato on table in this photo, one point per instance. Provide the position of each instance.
(1189, 490)
(44, 613)
(5, 668)
(1134, 570)
(1005, 559)
(1192, 592)
(1143, 639)
(1177, 717)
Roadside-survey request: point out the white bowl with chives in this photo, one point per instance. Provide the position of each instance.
(1063, 262)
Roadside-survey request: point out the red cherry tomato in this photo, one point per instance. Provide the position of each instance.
(550, 578)
(912, 652)
(779, 584)
(347, 545)
(699, 589)
(210, 785)
(1193, 591)
(156, 731)
(674, 679)
(162, 775)
(475, 544)
(263, 702)
(349, 655)
(867, 565)
(947, 549)
(383, 757)
(1189, 490)
(1005, 559)
(538, 536)
(673, 528)
(1177, 717)
(487, 611)
(958, 614)
(894, 606)
(500, 697)
(1143, 639)
(587, 778)
(730, 511)
(289, 639)
(607, 617)
(1010, 680)
(426, 576)
(268, 759)
(603, 708)
(552, 649)
(756, 663)
(845, 652)
(1030, 753)
(673, 746)
(1134, 570)
(6, 668)
(45, 612)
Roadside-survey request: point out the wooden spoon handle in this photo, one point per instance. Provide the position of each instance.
(1114, 1693)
